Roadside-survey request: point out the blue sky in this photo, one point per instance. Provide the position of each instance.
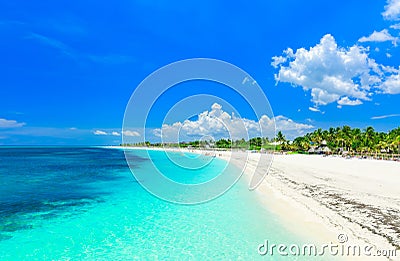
(69, 67)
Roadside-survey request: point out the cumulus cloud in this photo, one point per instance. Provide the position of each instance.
(115, 133)
(285, 124)
(348, 102)
(332, 73)
(130, 133)
(382, 36)
(217, 124)
(100, 132)
(395, 26)
(392, 10)
(4, 123)
(392, 84)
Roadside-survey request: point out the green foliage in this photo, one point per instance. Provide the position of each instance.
(340, 138)
(224, 144)
(347, 139)
(255, 143)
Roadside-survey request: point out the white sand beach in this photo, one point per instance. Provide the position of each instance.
(323, 197)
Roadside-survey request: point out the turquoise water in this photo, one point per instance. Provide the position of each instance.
(84, 203)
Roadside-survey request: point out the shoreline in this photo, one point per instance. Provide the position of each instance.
(322, 197)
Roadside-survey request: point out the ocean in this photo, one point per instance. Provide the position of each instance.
(84, 203)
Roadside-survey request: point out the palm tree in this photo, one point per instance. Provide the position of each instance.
(395, 144)
(317, 136)
(355, 139)
(382, 146)
(280, 138)
(344, 137)
(301, 143)
(346, 132)
(369, 138)
(340, 139)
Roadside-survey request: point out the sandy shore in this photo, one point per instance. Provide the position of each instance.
(323, 197)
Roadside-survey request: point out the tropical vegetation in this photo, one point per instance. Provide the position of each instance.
(351, 140)
(337, 139)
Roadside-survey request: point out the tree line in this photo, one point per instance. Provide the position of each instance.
(350, 139)
(340, 138)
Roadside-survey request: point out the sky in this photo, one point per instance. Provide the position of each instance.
(69, 68)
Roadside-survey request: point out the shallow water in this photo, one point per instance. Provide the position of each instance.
(84, 203)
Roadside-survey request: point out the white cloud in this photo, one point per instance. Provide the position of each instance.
(348, 102)
(314, 109)
(4, 123)
(219, 124)
(332, 73)
(392, 84)
(130, 133)
(127, 133)
(285, 124)
(99, 132)
(277, 60)
(382, 36)
(392, 10)
(395, 26)
(385, 116)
